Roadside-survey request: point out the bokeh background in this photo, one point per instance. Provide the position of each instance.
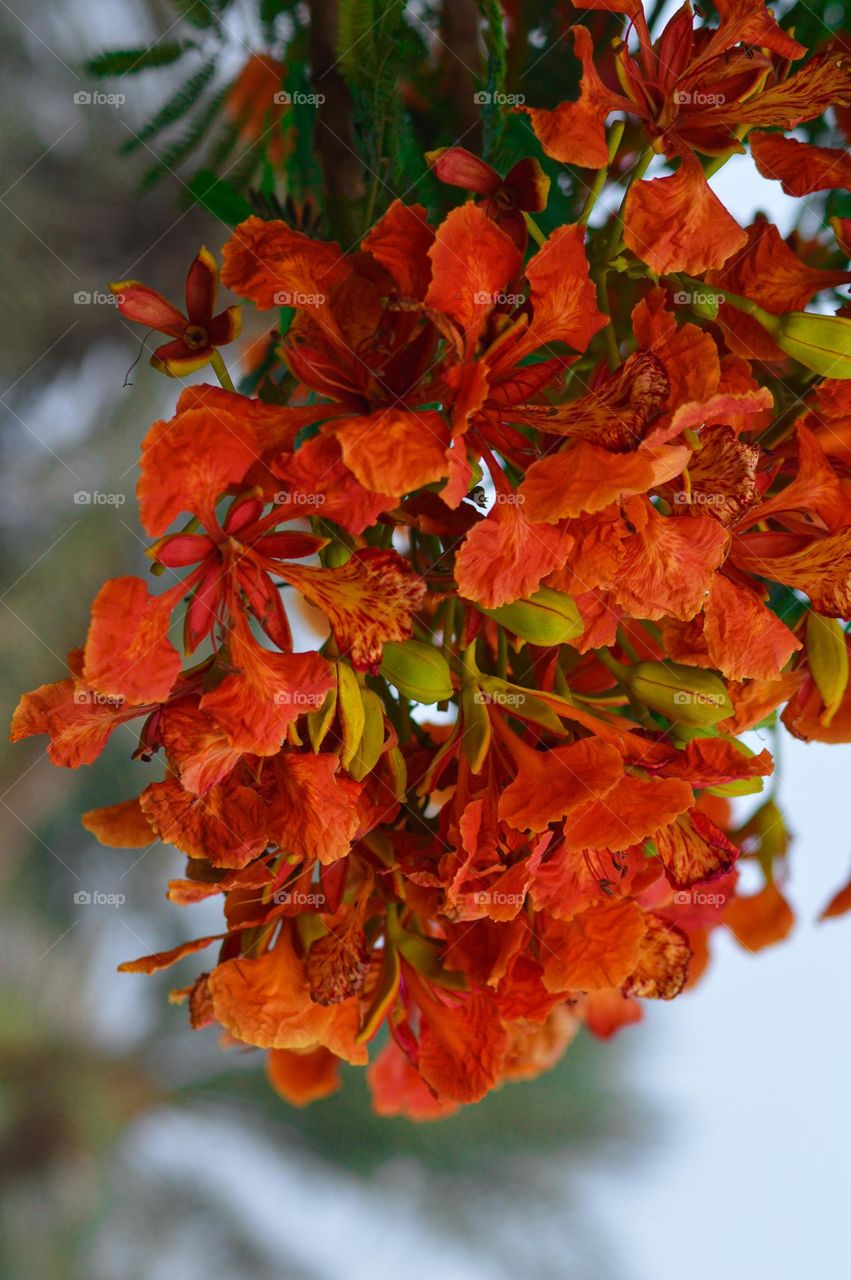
(712, 1140)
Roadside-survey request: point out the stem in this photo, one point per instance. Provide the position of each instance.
(534, 230)
(221, 371)
(616, 242)
(618, 669)
(602, 174)
(598, 275)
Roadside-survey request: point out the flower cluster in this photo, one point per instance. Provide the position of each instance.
(599, 522)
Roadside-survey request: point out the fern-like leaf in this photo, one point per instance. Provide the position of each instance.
(356, 24)
(183, 146)
(493, 111)
(126, 62)
(176, 107)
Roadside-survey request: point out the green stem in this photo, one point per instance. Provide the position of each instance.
(598, 275)
(616, 242)
(602, 174)
(618, 669)
(221, 371)
(534, 230)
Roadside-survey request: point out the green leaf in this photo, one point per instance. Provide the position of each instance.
(126, 62)
(219, 197)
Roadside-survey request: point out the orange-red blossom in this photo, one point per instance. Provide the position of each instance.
(605, 558)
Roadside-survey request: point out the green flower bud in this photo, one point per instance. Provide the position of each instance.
(419, 671)
(336, 555)
(546, 618)
(689, 695)
(820, 343)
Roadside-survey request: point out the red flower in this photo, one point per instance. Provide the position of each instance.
(523, 189)
(196, 335)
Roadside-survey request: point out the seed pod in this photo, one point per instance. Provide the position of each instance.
(372, 738)
(689, 695)
(827, 657)
(419, 671)
(320, 721)
(476, 740)
(352, 715)
(545, 618)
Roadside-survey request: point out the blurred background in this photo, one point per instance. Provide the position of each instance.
(713, 1139)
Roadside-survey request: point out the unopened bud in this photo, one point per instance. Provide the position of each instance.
(419, 671)
(689, 695)
(820, 343)
(546, 618)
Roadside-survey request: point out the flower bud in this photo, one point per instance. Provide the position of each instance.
(689, 695)
(820, 343)
(546, 618)
(827, 658)
(419, 671)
